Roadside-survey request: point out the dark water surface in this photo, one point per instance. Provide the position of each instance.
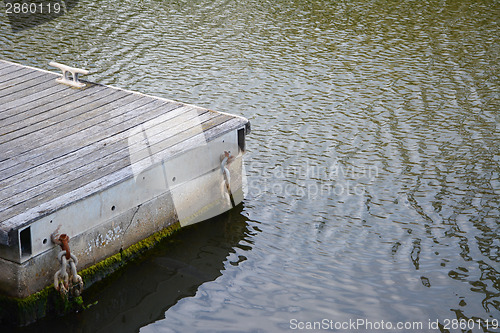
(372, 167)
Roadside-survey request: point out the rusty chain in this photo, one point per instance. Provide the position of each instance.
(63, 282)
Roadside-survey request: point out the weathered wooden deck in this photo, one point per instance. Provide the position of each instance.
(59, 145)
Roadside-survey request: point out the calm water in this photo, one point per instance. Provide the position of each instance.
(372, 167)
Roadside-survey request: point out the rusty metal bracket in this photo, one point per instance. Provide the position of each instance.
(227, 158)
(63, 241)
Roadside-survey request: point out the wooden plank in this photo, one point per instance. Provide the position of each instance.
(116, 106)
(20, 80)
(68, 115)
(24, 111)
(3, 64)
(108, 170)
(176, 131)
(168, 124)
(83, 155)
(44, 105)
(44, 91)
(161, 144)
(7, 69)
(43, 112)
(8, 63)
(83, 180)
(106, 160)
(25, 94)
(13, 93)
(233, 123)
(160, 129)
(161, 135)
(13, 72)
(74, 142)
(53, 129)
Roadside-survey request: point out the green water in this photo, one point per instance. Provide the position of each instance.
(372, 166)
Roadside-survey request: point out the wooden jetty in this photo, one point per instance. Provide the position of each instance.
(106, 166)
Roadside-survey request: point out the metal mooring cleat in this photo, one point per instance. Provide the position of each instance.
(66, 79)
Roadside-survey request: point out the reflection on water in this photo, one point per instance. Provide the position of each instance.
(373, 165)
(28, 14)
